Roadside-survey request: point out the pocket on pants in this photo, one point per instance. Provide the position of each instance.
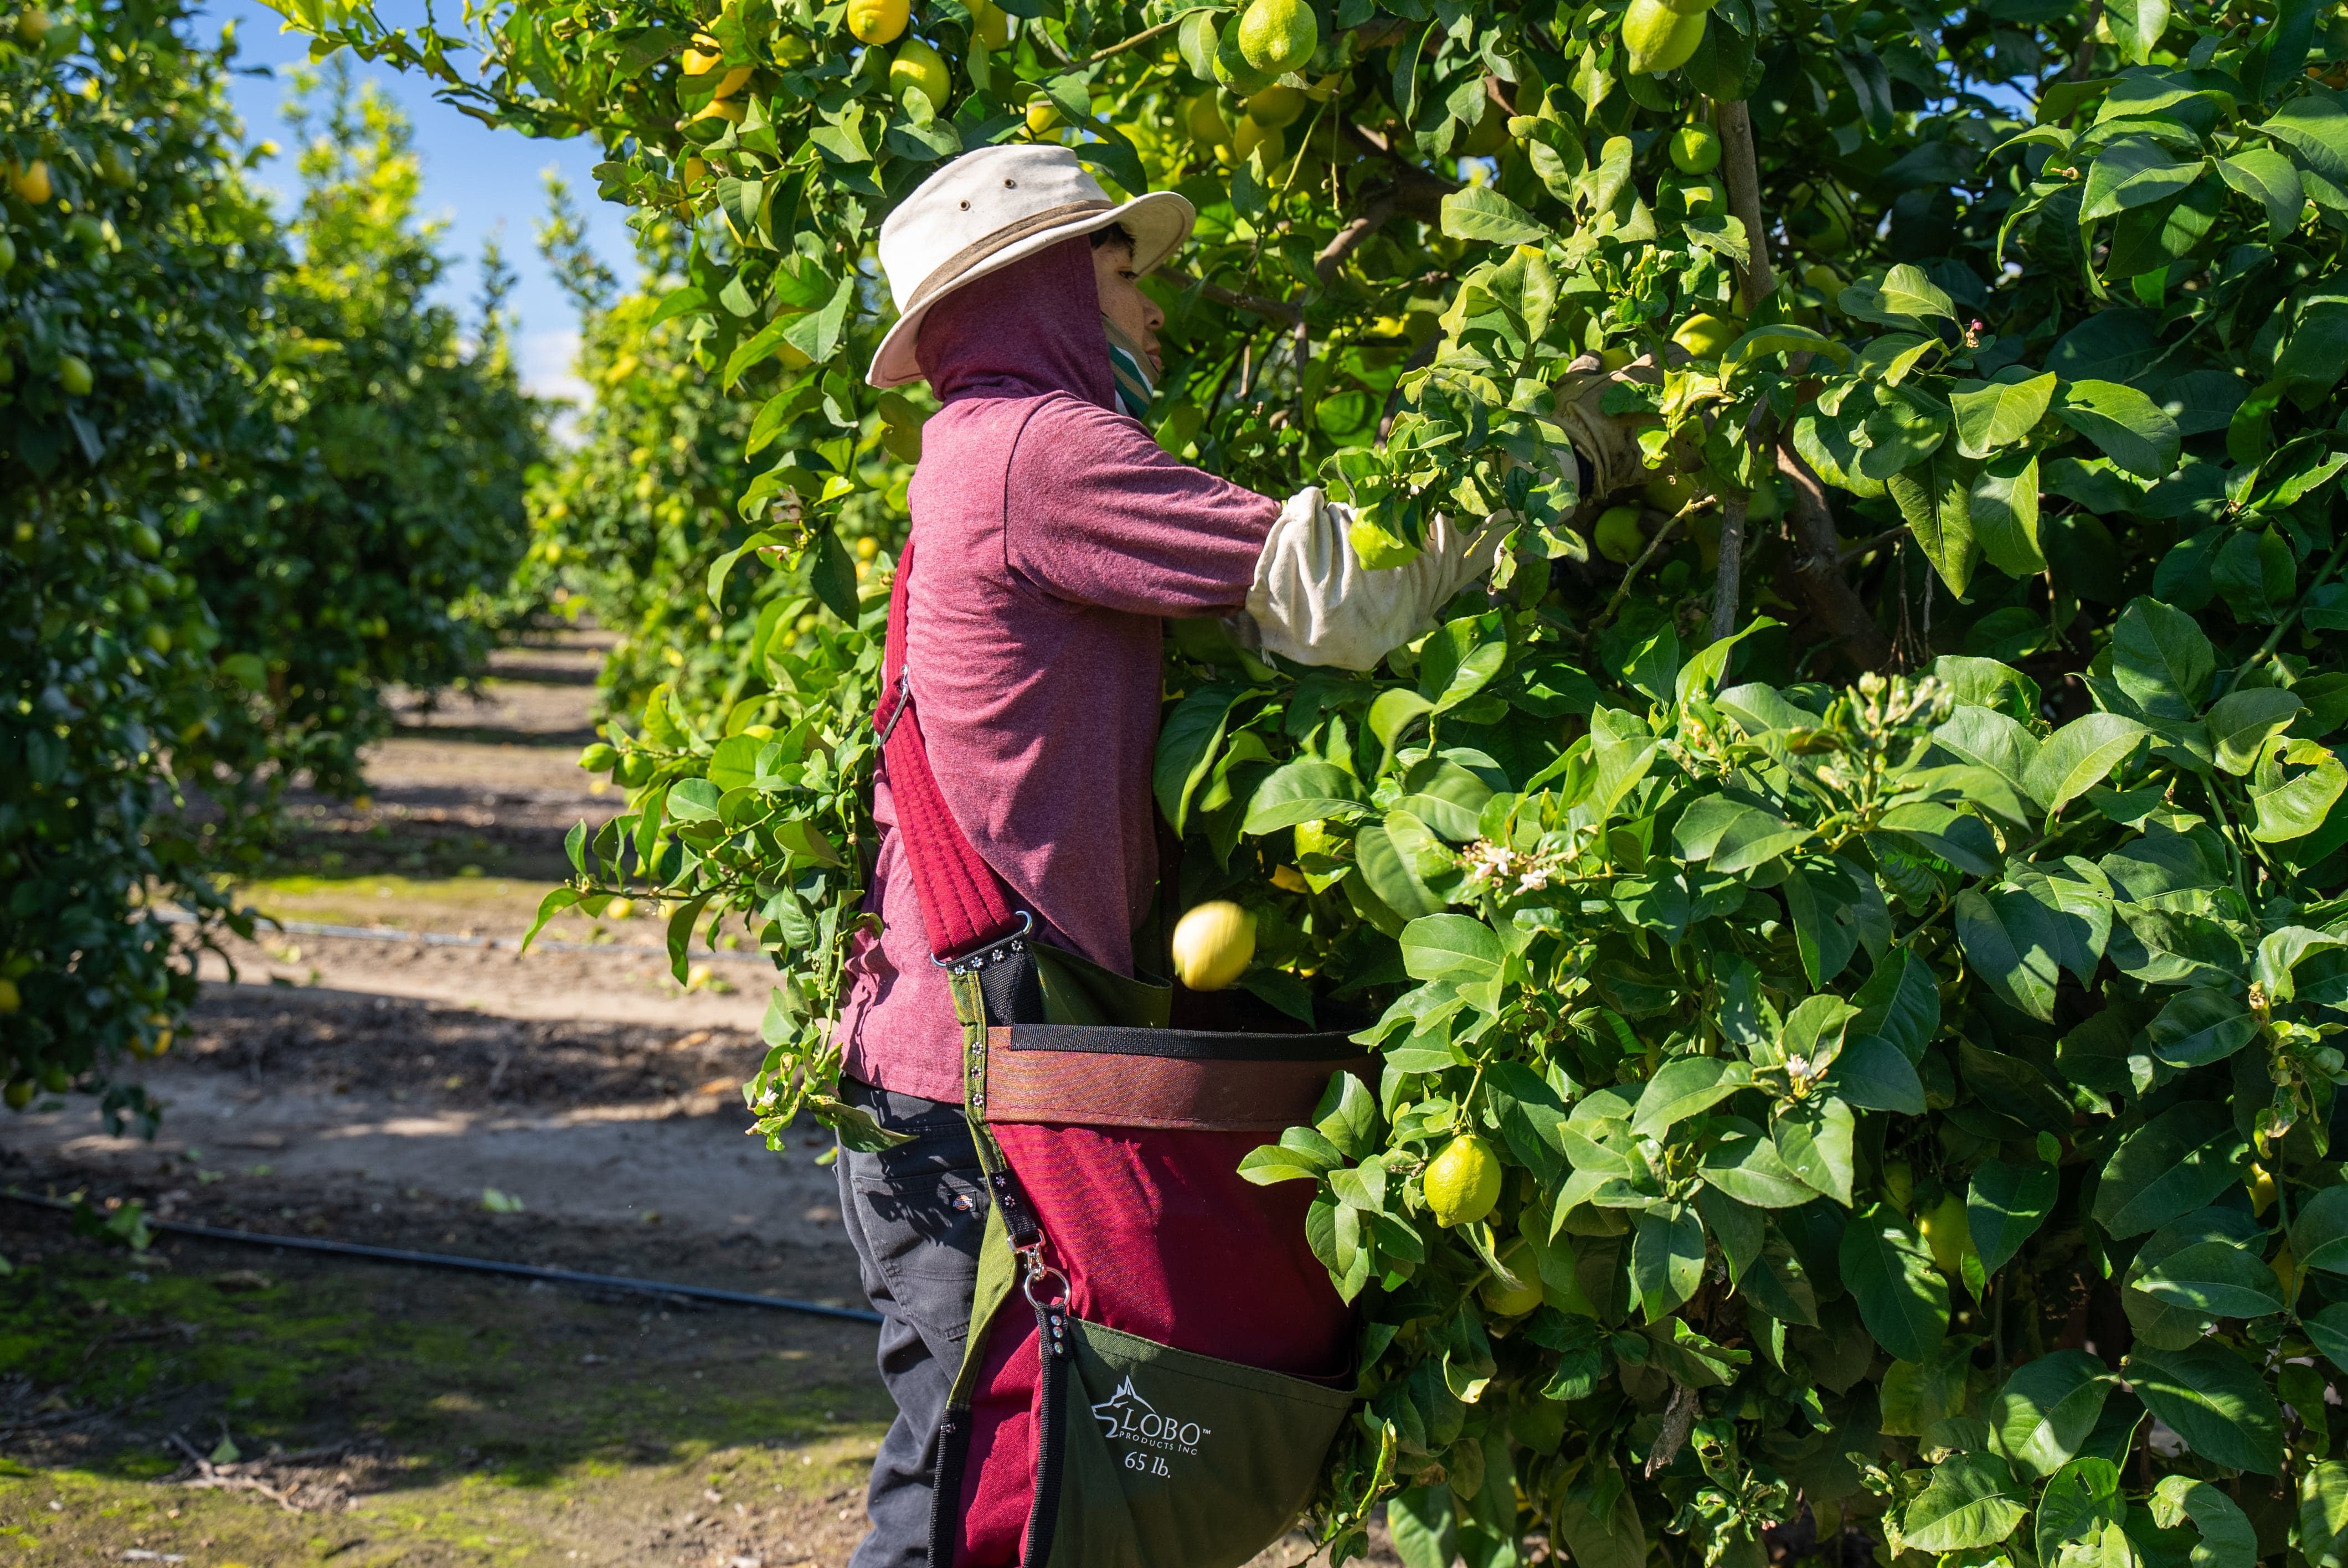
(922, 1227)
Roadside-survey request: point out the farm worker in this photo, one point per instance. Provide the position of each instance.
(1054, 537)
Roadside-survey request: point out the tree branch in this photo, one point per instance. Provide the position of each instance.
(1418, 193)
(1731, 572)
(1254, 304)
(1818, 568)
(1372, 217)
(1138, 38)
(1742, 175)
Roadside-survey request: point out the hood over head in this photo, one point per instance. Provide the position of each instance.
(1032, 328)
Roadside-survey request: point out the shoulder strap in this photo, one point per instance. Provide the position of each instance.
(964, 903)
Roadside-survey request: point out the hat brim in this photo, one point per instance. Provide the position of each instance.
(1159, 221)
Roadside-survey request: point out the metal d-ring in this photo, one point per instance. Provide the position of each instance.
(1027, 925)
(1038, 1272)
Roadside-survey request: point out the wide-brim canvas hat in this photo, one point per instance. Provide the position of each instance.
(993, 207)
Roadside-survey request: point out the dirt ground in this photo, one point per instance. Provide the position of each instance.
(235, 1406)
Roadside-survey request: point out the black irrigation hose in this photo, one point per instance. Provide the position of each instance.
(483, 1266)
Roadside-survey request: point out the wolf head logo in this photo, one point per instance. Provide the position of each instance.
(1123, 1409)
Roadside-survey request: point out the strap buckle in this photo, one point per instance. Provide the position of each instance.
(991, 950)
(904, 700)
(1038, 1272)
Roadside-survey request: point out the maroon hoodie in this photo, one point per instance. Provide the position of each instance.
(1054, 537)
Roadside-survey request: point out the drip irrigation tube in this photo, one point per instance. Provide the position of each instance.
(481, 1265)
(460, 939)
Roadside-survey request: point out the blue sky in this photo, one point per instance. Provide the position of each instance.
(483, 183)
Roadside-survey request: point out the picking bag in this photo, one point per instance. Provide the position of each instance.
(1157, 1362)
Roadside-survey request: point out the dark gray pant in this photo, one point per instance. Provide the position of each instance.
(915, 1214)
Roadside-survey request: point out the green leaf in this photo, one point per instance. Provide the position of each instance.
(2168, 1167)
(553, 904)
(2078, 756)
(1902, 1298)
(2004, 510)
(1304, 789)
(2001, 413)
(2045, 1411)
(2314, 127)
(1480, 212)
(1900, 1003)
(2005, 1205)
(2162, 660)
(1971, 1501)
(1450, 948)
(2200, 1026)
(2290, 807)
(1681, 1088)
(2133, 430)
(2228, 1540)
(2240, 722)
(1460, 658)
(1187, 748)
(2267, 177)
(2214, 1401)
(1815, 1144)
(2328, 1331)
(1747, 1167)
(2133, 171)
(2319, 1233)
(2081, 1517)
(2215, 1278)
(2011, 941)
(1906, 292)
(1666, 1258)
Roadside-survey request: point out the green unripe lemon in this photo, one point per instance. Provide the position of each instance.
(20, 1093)
(1706, 336)
(1278, 36)
(56, 1079)
(1504, 1302)
(1658, 39)
(1948, 1233)
(32, 26)
(1377, 548)
(1206, 123)
(158, 638)
(1618, 535)
(1462, 1183)
(599, 758)
(1276, 106)
(8, 252)
(635, 769)
(10, 998)
(1213, 945)
(1695, 150)
(1250, 134)
(918, 68)
(74, 376)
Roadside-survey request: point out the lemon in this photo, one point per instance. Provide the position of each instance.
(729, 110)
(918, 68)
(1248, 135)
(56, 1079)
(1278, 36)
(704, 57)
(1616, 358)
(1315, 838)
(1668, 492)
(1206, 122)
(1289, 879)
(599, 758)
(1706, 336)
(732, 81)
(790, 49)
(20, 1092)
(1277, 105)
(1503, 1302)
(1695, 150)
(992, 25)
(1659, 38)
(30, 181)
(2285, 1266)
(1377, 548)
(619, 910)
(8, 253)
(32, 26)
(73, 374)
(1043, 116)
(10, 998)
(878, 21)
(1213, 945)
(1946, 1231)
(1462, 1183)
(2262, 1182)
(696, 170)
(1618, 535)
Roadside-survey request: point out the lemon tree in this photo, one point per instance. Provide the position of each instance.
(223, 524)
(1853, 916)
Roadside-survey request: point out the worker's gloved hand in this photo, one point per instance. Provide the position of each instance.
(1608, 444)
(1314, 602)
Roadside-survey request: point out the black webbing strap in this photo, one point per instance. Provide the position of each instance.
(945, 1483)
(1186, 1045)
(1051, 1432)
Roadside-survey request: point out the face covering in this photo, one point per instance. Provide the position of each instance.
(1130, 366)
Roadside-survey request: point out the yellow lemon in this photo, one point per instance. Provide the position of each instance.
(1618, 535)
(1289, 879)
(918, 68)
(1695, 150)
(32, 26)
(1206, 123)
(732, 82)
(704, 57)
(10, 998)
(878, 21)
(1043, 116)
(1276, 106)
(1278, 36)
(1462, 1183)
(1947, 1232)
(1658, 39)
(1315, 838)
(696, 170)
(729, 110)
(1706, 336)
(1213, 945)
(19, 1092)
(30, 181)
(790, 49)
(2262, 1182)
(619, 910)
(1616, 358)
(993, 24)
(1250, 134)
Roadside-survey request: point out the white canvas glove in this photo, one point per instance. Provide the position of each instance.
(1314, 602)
